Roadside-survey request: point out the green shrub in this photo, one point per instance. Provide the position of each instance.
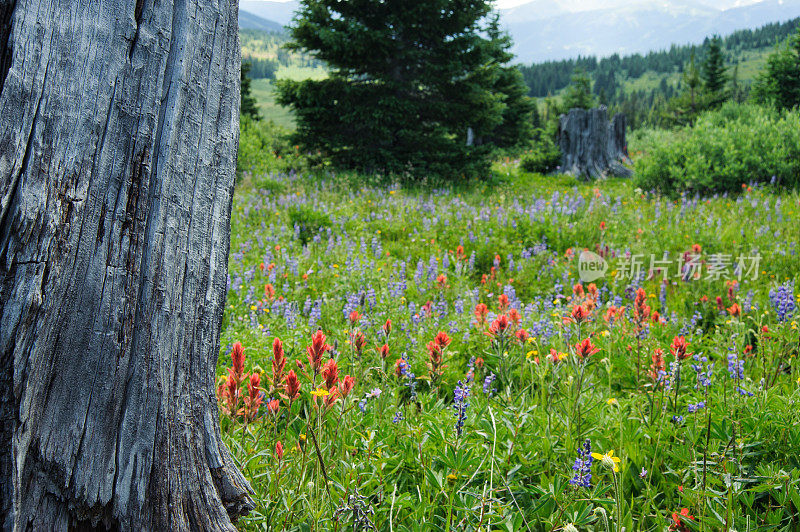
(264, 147)
(543, 158)
(738, 144)
(308, 220)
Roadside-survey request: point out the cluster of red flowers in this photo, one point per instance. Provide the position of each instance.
(436, 349)
(679, 520)
(679, 348)
(229, 393)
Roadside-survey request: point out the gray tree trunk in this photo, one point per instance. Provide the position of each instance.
(591, 146)
(118, 138)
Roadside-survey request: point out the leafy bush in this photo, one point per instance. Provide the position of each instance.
(740, 143)
(309, 221)
(543, 158)
(264, 147)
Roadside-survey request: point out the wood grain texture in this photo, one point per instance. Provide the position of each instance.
(118, 139)
(591, 146)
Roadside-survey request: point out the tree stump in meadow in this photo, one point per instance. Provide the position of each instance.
(119, 124)
(592, 147)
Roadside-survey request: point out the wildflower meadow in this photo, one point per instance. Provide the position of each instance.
(401, 358)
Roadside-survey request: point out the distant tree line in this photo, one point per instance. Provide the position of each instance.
(551, 76)
(705, 84)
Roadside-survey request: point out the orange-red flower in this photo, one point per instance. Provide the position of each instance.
(330, 374)
(279, 451)
(481, 312)
(384, 351)
(522, 335)
(679, 348)
(735, 310)
(269, 291)
(442, 340)
(292, 385)
(237, 359)
(316, 350)
(498, 326)
(355, 317)
(347, 385)
(585, 349)
(278, 362)
(514, 316)
(657, 365)
(387, 327)
(502, 302)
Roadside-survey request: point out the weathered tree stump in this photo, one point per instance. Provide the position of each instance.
(119, 125)
(591, 146)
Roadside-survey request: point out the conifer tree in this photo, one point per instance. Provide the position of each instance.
(779, 82)
(249, 105)
(715, 78)
(579, 92)
(409, 80)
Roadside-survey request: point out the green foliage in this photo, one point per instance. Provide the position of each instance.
(249, 106)
(740, 143)
(543, 158)
(307, 221)
(408, 81)
(779, 83)
(264, 148)
(715, 78)
(579, 92)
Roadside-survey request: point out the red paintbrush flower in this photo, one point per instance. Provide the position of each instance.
(522, 335)
(578, 315)
(269, 291)
(387, 328)
(273, 406)
(237, 359)
(278, 362)
(316, 351)
(330, 374)
(355, 317)
(441, 281)
(480, 312)
(679, 520)
(279, 451)
(292, 385)
(658, 365)
(735, 310)
(679, 348)
(577, 289)
(502, 302)
(442, 340)
(498, 326)
(585, 349)
(514, 316)
(347, 385)
(384, 351)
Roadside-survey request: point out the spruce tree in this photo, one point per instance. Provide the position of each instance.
(409, 79)
(249, 105)
(779, 82)
(715, 78)
(579, 92)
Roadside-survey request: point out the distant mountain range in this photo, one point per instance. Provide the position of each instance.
(249, 21)
(558, 29)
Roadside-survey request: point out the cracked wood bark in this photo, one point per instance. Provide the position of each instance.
(591, 146)
(118, 139)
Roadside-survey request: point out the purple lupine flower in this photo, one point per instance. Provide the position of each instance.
(583, 466)
(460, 405)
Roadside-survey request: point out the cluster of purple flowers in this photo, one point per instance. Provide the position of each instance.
(583, 466)
(782, 300)
(692, 408)
(460, 405)
(487, 384)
